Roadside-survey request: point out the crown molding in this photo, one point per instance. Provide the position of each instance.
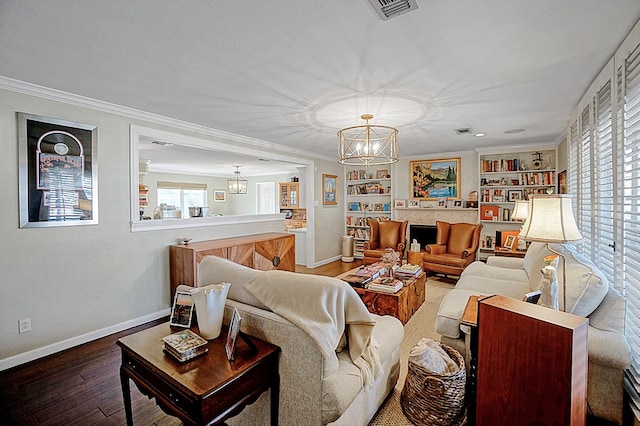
(31, 89)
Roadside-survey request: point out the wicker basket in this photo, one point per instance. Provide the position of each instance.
(435, 399)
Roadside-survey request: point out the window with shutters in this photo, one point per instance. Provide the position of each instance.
(603, 149)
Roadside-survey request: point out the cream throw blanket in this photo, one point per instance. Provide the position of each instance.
(322, 307)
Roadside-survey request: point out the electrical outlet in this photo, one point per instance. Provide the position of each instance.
(24, 325)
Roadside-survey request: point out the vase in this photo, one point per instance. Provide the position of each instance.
(209, 302)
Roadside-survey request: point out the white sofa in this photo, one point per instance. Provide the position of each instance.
(588, 295)
(314, 390)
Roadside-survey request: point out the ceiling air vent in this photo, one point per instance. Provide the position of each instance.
(388, 9)
(463, 131)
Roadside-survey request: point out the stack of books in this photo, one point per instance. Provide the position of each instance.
(408, 271)
(359, 281)
(373, 271)
(184, 345)
(386, 285)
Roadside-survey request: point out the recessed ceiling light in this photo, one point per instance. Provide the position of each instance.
(514, 131)
(479, 135)
(161, 143)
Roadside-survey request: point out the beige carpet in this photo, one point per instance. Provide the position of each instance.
(421, 324)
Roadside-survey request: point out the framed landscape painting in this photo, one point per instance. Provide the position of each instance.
(435, 179)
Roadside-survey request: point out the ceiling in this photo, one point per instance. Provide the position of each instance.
(295, 72)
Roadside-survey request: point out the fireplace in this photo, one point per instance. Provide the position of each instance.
(423, 234)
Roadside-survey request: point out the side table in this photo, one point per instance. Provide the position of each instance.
(205, 390)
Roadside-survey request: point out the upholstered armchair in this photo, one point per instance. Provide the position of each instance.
(388, 233)
(456, 247)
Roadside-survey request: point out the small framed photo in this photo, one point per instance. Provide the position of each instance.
(457, 203)
(497, 199)
(382, 174)
(442, 202)
(514, 194)
(509, 242)
(232, 335)
(414, 204)
(182, 309)
(400, 203)
(471, 204)
(219, 196)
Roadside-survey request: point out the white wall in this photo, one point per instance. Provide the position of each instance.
(81, 282)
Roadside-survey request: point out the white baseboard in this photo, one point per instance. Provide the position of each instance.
(78, 340)
(324, 262)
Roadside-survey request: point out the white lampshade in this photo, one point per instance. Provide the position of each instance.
(521, 210)
(550, 220)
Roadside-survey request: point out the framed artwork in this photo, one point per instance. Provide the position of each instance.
(329, 189)
(219, 196)
(514, 194)
(442, 202)
(58, 182)
(414, 204)
(489, 213)
(232, 335)
(434, 179)
(457, 203)
(400, 203)
(382, 174)
(509, 241)
(562, 182)
(182, 309)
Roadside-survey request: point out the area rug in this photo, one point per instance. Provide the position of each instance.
(421, 324)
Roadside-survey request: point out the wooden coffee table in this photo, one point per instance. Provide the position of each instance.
(204, 390)
(401, 305)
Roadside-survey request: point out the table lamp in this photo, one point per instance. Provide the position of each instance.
(520, 213)
(551, 220)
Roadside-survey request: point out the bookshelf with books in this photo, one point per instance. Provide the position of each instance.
(508, 175)
(368, 195)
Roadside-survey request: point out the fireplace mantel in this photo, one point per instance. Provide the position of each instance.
(429, 215)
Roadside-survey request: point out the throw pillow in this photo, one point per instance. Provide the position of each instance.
(586, 285)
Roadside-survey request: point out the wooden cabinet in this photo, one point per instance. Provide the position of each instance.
(261, 251)
(531, 365)
(289, 195)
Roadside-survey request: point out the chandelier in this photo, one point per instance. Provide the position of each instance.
(237, 185)
(368, 144)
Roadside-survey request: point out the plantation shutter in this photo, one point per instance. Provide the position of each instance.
(585, 200)
(603, 176)
(630, 159)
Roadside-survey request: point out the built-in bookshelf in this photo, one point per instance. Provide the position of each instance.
(368, 195)
(506, 177)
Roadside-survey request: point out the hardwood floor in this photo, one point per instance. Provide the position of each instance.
(81, 386)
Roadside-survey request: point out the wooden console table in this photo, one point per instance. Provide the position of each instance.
(528, 363)
(205, 390)
(272, 250)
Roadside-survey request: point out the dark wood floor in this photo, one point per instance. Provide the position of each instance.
(81, 386)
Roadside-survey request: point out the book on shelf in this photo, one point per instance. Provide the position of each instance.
(386, 285)
(184, 345)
